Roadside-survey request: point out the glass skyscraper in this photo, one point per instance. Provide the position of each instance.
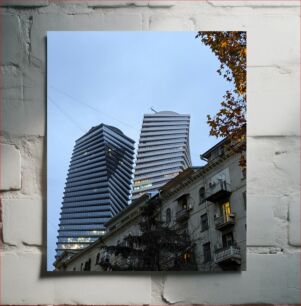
(163, 151)
(98, 186)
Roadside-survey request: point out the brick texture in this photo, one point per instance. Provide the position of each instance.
(273, 178)
(27, 214)
(13, 47)
(10, 168)
(24, 3)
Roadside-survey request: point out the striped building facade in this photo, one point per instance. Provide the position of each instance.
(163, 151)
(98, 186)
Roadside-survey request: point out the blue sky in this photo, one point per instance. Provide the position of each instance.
(114, 78)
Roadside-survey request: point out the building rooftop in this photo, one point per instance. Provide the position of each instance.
(166, 113)
(116, 130)
(135, 203)
(206, 155)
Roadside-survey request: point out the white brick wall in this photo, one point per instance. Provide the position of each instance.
(26, 284)
(273, 183)
(23, 222)
(271, 278)
(10, 167)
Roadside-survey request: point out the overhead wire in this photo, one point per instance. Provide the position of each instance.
(101, 112)
(66, 114)
(92, 107)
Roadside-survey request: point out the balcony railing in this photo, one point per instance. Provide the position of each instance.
(182, 215)
(228, 254)
(218, 191)
(104, 261)
(224, 221)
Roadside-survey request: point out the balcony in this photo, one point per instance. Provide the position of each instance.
(104, 262)
(218, 191)
(224, 221)
(228, 255)
(182, 215)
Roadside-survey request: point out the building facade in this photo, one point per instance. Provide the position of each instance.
(118, 228)
(98, 186)
(206, 204)
(210, 205)
(163, 151)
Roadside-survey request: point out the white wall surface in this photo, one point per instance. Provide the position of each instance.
(273, 182)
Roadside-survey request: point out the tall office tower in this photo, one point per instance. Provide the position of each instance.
(98, 186)
(163, 151)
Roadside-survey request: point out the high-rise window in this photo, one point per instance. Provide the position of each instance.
(163, 151)
(98, 186)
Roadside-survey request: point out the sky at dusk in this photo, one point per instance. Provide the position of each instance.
(115, 78)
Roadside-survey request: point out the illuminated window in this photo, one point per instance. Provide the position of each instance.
(183, 201)
(226, 210)
(187, 257)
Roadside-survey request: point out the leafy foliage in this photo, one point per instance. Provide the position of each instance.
(230, 121)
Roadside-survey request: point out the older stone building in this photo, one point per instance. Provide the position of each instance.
(204, 206)
(210, 204)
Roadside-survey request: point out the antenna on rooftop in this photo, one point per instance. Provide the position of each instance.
(153, 110)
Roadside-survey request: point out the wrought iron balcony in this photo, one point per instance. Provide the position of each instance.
(224, 221)
(104, 261)
(218, 191)
(182, 215)
(229, 254)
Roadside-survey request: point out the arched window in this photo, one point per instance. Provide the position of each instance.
(97, 259)
(202, 195)
(168, 215)
(87, 266)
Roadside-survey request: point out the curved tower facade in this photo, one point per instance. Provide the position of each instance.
(98, 186)
(163, 151)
